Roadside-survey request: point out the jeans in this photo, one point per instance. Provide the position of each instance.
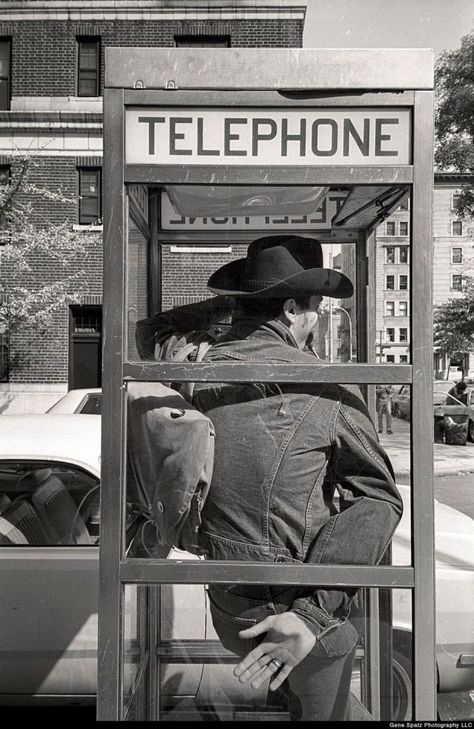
(384, 408)
(318, 688)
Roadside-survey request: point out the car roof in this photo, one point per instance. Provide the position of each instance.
(71, 438)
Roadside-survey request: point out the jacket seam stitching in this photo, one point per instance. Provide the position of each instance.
(307, 530)
(270, 482)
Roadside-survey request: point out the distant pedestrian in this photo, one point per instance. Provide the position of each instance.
(383, 406)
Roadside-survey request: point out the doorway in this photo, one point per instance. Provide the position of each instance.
(85, 347)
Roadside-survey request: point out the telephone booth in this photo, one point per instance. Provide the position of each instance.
(209, 149)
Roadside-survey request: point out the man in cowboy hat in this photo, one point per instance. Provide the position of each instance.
(283, 453)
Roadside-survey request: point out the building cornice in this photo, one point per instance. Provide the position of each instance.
(454, 177)
(51, 122)
(96, 10)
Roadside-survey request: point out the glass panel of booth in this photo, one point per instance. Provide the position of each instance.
(136, 650)
(203, 226)
(193, 669)
(192, 247)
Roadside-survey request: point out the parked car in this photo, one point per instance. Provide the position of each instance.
(87, 401)
(49, 527)
(401, 402)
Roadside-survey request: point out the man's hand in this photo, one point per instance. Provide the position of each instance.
(288, 640)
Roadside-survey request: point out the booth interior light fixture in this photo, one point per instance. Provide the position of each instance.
(228, 200)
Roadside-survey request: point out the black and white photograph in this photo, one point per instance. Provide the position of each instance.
(237, 361)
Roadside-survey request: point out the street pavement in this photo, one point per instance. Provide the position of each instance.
(448, 459)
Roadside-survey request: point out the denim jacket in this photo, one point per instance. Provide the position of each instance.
(299, 475)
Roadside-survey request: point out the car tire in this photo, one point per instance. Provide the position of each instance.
(402, 687)
(470, 431)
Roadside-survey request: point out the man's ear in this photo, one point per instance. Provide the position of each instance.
(288, 311)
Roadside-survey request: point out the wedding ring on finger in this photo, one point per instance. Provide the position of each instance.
(275, 664)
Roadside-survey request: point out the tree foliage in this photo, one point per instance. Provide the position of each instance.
(454, 150)
(39, 271)
(454, 326)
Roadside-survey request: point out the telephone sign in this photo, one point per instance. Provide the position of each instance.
(270, 137)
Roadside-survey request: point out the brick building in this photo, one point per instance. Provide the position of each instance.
(51, 81)
(452, 256)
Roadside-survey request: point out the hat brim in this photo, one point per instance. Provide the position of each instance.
(229, 281)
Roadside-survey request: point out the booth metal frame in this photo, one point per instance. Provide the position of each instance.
(266, 78)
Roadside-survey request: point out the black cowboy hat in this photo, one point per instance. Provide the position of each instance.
(280, 266)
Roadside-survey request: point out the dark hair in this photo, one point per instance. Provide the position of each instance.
(461, 385)
(270, 308)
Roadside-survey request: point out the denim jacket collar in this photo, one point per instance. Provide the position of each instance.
(244, 327)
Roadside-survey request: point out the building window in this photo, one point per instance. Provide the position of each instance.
(403, 358)
(389, 308)
(5, 233)
(403, 227)
(456, 255)
(390, 227)
(403, 254)
(403, 308)
(4, 174)
(390, 254)
(403, 334)
(404, 205)
(5, 74)
(202, 41)
(90, 207)
(88, 66)
(403, 282)
(457, 227)
(455, 200)
(390, 282)
(4, 349)
(391, 358)
(390, 334)
(456, 282)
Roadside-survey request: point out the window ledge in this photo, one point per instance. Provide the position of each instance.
(86, 228)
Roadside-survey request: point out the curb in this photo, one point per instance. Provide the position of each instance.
(439, 472)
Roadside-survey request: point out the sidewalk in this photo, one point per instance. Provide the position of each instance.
(448, 459)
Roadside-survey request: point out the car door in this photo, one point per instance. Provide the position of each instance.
(49, 535)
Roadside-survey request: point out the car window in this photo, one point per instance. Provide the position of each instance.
(44, 503)
(92, 405)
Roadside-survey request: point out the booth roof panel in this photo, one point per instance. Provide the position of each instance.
(367, 206)
(269, 68)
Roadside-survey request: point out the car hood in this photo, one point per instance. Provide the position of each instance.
(454, 536)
